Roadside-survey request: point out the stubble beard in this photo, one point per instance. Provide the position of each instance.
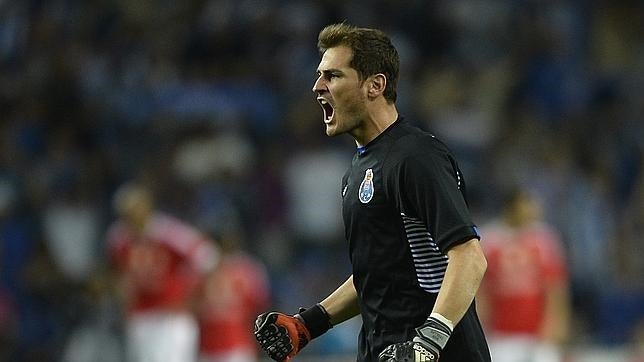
(347, 121)
(349, 124)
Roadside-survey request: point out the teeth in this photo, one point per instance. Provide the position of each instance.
(328, 113)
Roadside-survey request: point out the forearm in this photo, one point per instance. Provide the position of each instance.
(342, 304)
(463, 276)
(556, 324)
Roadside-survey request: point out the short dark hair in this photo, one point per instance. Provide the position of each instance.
(373, 52)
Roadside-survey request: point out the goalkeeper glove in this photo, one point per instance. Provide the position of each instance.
(283, 336)
(426, 346)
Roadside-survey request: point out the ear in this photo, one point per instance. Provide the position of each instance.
(377, 84)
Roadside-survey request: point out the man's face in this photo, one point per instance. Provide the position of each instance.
(340, 92)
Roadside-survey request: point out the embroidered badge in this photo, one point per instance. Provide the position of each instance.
(365, 193)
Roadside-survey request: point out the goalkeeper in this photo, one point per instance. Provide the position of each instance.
(414, 249)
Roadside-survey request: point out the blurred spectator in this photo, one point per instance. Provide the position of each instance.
(7, 324)
(524, 299)
(35, 296)
(50, 308)
(311, 177)
(629, 240)
(638, 342)
(621, 310)
(234, 293)
(160, 261)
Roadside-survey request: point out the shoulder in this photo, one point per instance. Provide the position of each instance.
(169, 228)
(404, 132)
(162, 223)
(494, 235)
(545, 237)
(247, 265)
(410, 142)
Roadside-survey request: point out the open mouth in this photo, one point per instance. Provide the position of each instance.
(327, 108)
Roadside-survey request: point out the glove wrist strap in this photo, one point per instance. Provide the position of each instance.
(316, 319)
(445, 321)
(435, 331)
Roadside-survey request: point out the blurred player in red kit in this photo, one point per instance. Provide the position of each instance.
(524, 299)
(159, 262)
(235, 291)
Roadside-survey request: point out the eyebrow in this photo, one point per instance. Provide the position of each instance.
(329, 71)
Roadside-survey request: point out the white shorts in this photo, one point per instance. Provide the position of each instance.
(161, 336)
(522, 349)
(240, 355)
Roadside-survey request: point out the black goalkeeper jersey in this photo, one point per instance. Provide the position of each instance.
(403, 204)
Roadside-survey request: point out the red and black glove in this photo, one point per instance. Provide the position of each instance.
(283, 336)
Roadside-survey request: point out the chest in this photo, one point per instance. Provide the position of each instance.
(373, 225)
(147, 257)
(363, 186)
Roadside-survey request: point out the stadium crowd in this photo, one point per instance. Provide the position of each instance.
(209, 103)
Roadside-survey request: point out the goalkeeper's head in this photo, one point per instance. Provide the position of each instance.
(373, 52)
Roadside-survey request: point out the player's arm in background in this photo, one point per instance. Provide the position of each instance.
(555, 328)
(116, 279)
(556, 324)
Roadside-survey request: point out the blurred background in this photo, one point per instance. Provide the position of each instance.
(210, 103)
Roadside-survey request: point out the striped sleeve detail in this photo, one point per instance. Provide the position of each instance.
(429, 262)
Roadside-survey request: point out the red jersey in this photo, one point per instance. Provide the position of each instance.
(162, 266)
(236, 291)
(522, 263)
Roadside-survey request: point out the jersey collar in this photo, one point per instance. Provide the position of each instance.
(363, 149)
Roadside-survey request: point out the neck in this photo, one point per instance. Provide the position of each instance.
(378, 119)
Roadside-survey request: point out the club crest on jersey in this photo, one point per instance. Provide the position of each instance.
(365, 193)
